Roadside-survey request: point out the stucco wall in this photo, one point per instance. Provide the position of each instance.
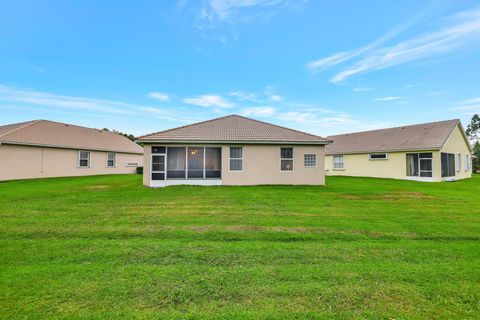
(261, 165)
(456, 144)
(361, 166)
(27, 162)
(395, 167)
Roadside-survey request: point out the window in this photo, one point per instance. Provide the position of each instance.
(420, 164)
(448, 165)
(286, 159)
(236, 158)
(338, 162)
(310, 160)
(378, 156)
(458, 162)
(467, 162)
(131, 164)
(111, 159)
(176, 162)
(84, 159)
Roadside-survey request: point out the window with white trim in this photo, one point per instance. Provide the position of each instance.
(84, 159)
(338, 162)
(236, 158)
(111, 159)
(458, 163)
(377, 156)
(310, 160)
(468, 162)
(286, 159)
(131, 164)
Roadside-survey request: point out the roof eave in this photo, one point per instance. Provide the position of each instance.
(384, 151)
(169, 141)
(66, 147)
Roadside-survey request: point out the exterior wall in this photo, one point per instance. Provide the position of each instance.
(395, 167)
(261, 165)
(456, 144)
(28, 162)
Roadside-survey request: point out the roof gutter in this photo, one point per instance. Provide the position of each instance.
(65, 147)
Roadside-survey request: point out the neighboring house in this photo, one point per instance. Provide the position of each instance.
(41, 148)
(233, 150)
(436, 151)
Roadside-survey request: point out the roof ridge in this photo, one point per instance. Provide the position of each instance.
(397, 127)
(228, 116)
(25, 124)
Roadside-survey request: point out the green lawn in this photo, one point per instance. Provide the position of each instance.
(106, 247)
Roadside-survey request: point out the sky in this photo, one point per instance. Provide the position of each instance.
(321, 66)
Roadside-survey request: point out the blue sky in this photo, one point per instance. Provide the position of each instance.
(325, 67)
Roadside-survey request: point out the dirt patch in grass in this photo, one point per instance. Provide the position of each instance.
(97, 187)
(397, 196)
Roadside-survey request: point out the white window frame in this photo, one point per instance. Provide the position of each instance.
(458, 162)
(292, 159)
(468, 162)
(132, 164)
(343, 161)
(377, 154)
(230, 158)
(80, 158)
(314, 155)
(114, 160)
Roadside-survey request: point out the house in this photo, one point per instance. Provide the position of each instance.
(436, 151)
(233, 150)
(41, 148)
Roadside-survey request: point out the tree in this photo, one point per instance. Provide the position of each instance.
(473, 132)
(130, 137)
(473, 129)
(476, 162)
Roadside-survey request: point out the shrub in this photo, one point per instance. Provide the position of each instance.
(139, 170)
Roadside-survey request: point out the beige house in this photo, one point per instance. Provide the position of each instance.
(41, 148)
(233, 150)
(437, 151)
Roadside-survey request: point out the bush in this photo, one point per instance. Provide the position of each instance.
(139, 170)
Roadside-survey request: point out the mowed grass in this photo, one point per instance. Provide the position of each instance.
(106, 247)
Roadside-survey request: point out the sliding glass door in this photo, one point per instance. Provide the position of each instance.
(195, 162)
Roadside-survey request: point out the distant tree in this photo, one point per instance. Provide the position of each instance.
(473, 132)
(473, 129)
(131, 137)
(476, 162)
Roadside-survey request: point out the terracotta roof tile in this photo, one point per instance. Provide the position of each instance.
(425, 136)
(62, 135)
(233, 128)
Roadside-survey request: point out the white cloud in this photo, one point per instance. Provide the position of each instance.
(471, 101)
(209, 100)
(359, 89)
(244, 96)
(50, 102)
(391, 98)
(28, 96)
(259, 111)
(465, 31)
(341, 57)
(159, 96)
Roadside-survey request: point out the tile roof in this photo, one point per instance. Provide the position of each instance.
(62, 135)
(425, 136)
(233, 128)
